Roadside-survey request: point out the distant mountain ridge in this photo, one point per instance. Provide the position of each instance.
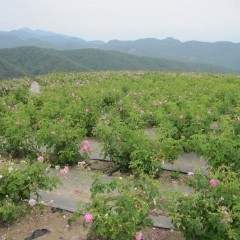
(30, 61)
(225, 54)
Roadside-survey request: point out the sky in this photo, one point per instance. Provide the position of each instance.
(203, 20)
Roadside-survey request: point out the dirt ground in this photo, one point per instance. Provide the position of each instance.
(58, 225)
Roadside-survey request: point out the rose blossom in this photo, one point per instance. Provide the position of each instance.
(213, 183)
(88, 218)
(84, 149)
(64, 170)
(40, 158)
(32, 202)
(86, 143)
(181, 117)
(138, 236)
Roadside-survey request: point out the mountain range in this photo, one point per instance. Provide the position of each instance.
(30, 61)
(64, 53)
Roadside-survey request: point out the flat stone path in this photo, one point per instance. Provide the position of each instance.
(76, 188)
(188, 162)
(77, 183)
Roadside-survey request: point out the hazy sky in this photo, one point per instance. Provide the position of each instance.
(204, 20)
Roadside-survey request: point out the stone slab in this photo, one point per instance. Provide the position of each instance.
(188, 162)
(76, 186)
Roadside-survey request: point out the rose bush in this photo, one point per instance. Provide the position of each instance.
(212, 211)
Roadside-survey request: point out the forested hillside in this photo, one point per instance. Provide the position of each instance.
(29, 61)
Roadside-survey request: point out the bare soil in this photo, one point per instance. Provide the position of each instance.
(58, 225)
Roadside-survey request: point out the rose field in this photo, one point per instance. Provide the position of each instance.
(50, 127)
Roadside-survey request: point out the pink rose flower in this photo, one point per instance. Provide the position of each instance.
(181, 117)
(88, 218)
(213, 183)
(86, 110)
(64, 170)
(40, 158)
(86, 143)
(138, 236)
(32, 202)
(84, 149)
(53, 132)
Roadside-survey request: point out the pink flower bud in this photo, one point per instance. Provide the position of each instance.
(86, 143)
(84, 149)
(31, 202)
(138, 236)
(86, 110)
(64, 170)
(88, 218)
(181, 117)
(53, 132)
(213, 183)
(40, 158)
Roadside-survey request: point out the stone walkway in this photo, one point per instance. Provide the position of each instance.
(188, 162)
(77, 183)
(76, 187)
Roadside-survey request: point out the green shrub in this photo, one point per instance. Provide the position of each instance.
(18, 183)
(129, 149)
(213, 210)
(122, 207)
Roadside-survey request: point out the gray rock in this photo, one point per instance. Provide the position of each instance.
(35, 87)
